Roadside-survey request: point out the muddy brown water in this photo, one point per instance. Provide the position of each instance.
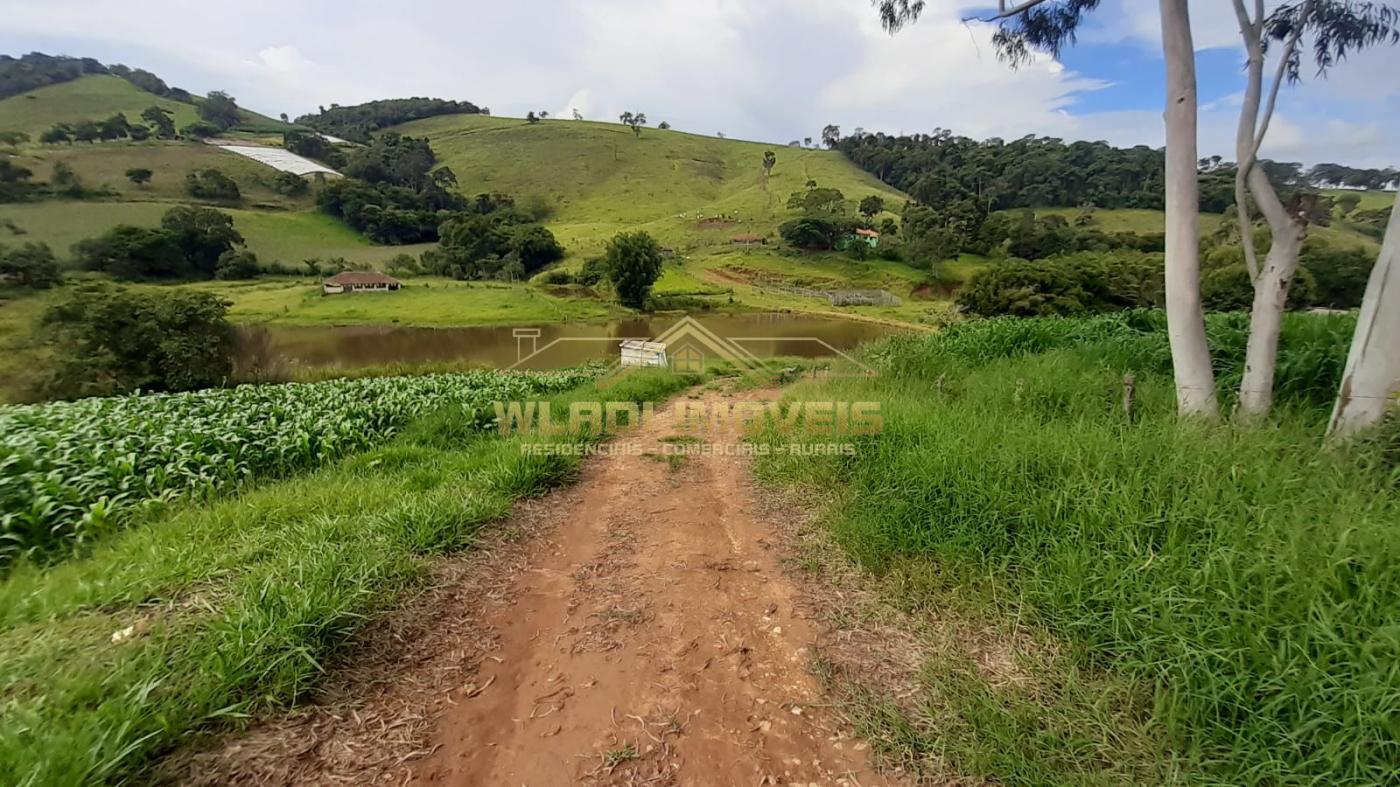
(556, 346)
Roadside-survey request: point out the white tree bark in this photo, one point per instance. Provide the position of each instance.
(1372, 372)
(1288, 231)
(1186, 328)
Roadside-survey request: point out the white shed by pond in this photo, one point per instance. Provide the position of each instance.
(636, 352)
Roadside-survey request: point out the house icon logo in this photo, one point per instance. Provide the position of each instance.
(688, 361)
(691, 347)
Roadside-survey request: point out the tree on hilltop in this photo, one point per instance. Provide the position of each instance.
(219, 109)
(635, 120)
(769, 159)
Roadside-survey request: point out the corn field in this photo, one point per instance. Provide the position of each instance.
(71, 471)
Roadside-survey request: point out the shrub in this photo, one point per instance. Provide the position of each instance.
(129, 252)
(212, 184)
(593, 271)
(114, 340)
(31, 265)
(1076, 284)
(1341, 274)
(1231, 289)
(290, 184)
(200, 130)
(814, 233)
(241, 264)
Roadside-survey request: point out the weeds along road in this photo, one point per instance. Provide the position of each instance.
(643, 631)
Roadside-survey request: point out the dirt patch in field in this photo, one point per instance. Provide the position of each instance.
(941, 291)
(639, 627)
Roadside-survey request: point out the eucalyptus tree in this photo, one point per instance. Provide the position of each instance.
(1372, 370)
(1334, 29)
(1030, 26)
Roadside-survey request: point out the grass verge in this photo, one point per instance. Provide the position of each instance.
(1208, 604)
(220, 612)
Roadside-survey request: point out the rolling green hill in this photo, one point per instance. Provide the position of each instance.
(89, 98)
(99, 96)
(693, 193)
(600, 179)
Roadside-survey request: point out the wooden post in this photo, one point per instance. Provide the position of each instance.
(1129, 388)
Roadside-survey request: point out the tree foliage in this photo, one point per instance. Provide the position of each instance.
(313, 146)
(1065, 286)
(189, 242)
(634, 264)
(356, 122)
(491, 238)
(114, 340)
(212, 184)
(219, 109)
(32, 265)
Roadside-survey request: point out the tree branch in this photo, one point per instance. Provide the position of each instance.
(1251, 30)
(1288, 49)
(1003, 12)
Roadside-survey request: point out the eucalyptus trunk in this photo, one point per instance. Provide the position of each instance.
(1186, 327)
(1372, 373)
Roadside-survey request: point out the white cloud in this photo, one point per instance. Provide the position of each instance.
(775, 70)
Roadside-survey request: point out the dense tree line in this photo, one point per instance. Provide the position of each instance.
(1079, 282)
(392, 193)
(1035, 172)
(997, 174)
(36, 69)
(1352, 177)
(191, 242)
(490, 237)
(357, 122)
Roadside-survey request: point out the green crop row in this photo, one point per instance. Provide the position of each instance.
(71, 471)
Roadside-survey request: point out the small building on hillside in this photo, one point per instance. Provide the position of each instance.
(748, 239)
(359, 281)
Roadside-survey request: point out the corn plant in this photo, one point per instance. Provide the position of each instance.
(72, 471)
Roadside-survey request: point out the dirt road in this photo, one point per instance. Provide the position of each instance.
(653, 640)
(636, 627)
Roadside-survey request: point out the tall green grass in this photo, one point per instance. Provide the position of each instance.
(240, 605)
(1242, 582)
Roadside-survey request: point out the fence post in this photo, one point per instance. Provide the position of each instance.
(1129, 388)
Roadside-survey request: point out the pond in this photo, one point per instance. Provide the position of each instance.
(556, 346)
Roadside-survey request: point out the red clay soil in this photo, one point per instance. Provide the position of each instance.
(654, 641)
(640, 630)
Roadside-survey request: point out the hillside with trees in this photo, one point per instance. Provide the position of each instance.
(357, 122)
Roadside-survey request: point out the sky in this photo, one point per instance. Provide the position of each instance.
(769, 70)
